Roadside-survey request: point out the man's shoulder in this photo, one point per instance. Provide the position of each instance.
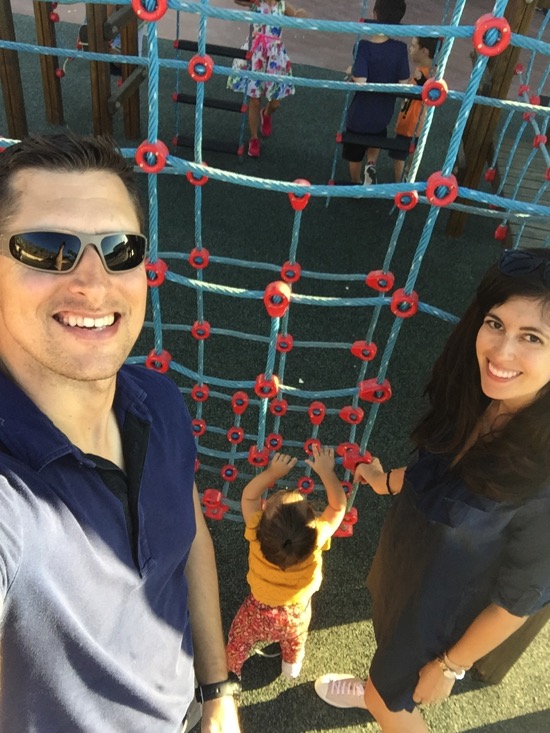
(136, 383)
(139, 377)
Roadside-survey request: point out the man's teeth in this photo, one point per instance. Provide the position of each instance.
(88, 322)
(501, 373)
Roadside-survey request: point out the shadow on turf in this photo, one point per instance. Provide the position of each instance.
(538, 722)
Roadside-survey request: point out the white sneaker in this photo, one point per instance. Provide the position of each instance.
(291, 671)
(341, 690)
(370, 174)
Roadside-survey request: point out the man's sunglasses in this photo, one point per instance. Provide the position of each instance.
(517, 262)
(60, 252)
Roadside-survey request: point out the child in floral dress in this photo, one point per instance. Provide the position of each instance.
(285, 566)
(268, 55)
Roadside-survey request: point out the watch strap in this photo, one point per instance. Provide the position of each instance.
(214, 690)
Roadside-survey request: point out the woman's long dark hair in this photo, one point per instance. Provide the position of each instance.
(513, 462)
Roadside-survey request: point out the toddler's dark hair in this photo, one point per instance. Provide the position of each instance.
(284, 533)
(428, 43)
(390, 11)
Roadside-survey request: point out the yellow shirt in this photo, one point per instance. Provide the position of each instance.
(275, 587)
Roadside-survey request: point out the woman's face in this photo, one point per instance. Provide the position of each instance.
(513, 352)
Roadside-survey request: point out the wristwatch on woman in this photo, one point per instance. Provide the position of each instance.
(229, 686)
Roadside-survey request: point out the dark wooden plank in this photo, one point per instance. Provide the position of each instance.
(51, 84)
(10, 77)
(482, 124)
(212, 49)
(374, 141)
(225, 104)
(129, 47)
(100, 78)
(217, 146)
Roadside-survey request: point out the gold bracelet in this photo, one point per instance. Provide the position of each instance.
(449, 662)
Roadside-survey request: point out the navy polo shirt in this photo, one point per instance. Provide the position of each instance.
(386, 62)
(95, 632)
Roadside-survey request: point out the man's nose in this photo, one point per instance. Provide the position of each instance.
(90, 269)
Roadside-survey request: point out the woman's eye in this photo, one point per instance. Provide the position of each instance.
(532, 339)
(493, 324)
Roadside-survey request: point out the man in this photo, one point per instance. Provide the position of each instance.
(106, 565)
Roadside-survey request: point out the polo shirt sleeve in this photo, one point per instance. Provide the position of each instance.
(523, 582)
(10, 536)
(361, 64)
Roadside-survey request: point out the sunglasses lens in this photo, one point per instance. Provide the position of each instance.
(45, 250)
(123, 251)
(58, 252)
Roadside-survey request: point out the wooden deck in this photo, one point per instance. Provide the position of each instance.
(537, 232)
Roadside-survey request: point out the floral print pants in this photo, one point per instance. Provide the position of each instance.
(256, 622)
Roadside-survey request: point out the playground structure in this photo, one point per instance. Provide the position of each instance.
(100, 29)
(239, 420)
(246, 441)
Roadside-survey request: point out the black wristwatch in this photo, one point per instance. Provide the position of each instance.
(230, 686)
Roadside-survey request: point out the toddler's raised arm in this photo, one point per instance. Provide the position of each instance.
(322, 463)
(251, 498)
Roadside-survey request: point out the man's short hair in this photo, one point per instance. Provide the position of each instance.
(390, 12)
(64, 151)
(428, 43)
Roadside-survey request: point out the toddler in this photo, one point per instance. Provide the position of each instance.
(285, 561)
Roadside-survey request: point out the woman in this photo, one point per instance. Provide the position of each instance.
(464, 555)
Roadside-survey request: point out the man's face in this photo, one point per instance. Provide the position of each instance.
(43, 334)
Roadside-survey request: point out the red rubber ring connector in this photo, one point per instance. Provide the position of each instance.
(150, 15)
(437, 181)
(485, 24)
(158, 149)
(200, 68)
(434, 92)
(406, 200)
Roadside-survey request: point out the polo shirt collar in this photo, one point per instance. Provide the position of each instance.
(30, 436)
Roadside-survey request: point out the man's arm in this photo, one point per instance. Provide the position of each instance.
(208, 642)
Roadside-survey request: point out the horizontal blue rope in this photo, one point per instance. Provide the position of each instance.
(297, 81)
(380, 191)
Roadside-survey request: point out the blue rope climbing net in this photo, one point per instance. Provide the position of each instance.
(262, 401)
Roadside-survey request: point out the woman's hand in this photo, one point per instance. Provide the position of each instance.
(372, 474)
(432, 685)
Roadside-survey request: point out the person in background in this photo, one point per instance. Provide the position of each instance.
(411, 115)
(267, 55)
(382, 60)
